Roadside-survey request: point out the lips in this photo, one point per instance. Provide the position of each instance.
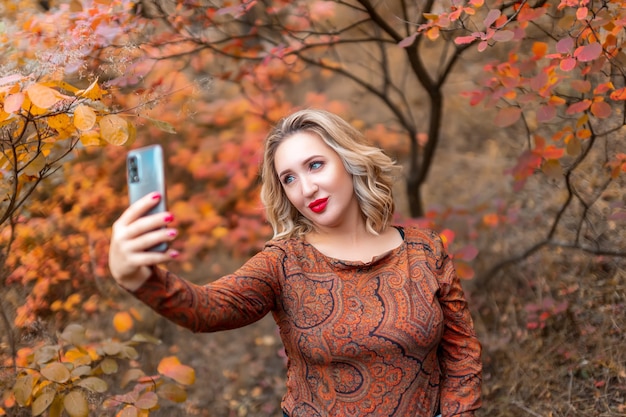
(319, 205)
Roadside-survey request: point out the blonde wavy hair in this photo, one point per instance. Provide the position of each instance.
(373, 172)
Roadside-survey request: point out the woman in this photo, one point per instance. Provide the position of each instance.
(372, 316)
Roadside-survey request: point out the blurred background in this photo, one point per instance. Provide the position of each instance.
(508, 120)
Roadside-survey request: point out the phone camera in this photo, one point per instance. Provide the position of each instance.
(133, 172)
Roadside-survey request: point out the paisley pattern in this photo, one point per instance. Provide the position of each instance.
(392, 337)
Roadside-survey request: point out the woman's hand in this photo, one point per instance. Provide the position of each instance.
(132, 237)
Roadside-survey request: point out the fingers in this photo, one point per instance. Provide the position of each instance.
(134, 234)
(139, 208)
(145, 241)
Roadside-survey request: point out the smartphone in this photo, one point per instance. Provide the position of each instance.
(146, 174)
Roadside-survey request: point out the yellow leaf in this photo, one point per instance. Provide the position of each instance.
(84, 117)
(75, 334)
(109, 366)
(23, 389)
(56, 372)
(43, 401)
(552, 169)
(172, 392)
(56, 409)
(76, 404)
(35, 165)
(61, 123)
(93, 92)
(171, 367)
(91, 138)
(77, 357)
(42, 96)
(114, 129)
(219, 232)
(122, 322)
(94, 384)
(131, 375)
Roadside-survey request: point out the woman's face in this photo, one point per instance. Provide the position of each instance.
(316, 181)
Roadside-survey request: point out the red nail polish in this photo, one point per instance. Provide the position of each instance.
(174, 254)
(156, 196)
(172, 233)
(169, 218)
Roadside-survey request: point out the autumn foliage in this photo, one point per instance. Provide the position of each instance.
(82, 81)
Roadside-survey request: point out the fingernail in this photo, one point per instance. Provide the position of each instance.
(169, 218)
(174, 254)
(172, 233)
(156, 196)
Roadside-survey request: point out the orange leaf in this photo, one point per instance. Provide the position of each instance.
(447, 237)
(147, 400)
(171, 367)
(42, 96)
(619, 94)
(122, 322)
(601, 109)
(539, 49)
(463, 270)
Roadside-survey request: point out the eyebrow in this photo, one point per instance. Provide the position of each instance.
(306, 161)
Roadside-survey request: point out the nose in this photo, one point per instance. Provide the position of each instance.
(309, 187)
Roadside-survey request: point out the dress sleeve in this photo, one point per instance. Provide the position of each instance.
(460, 350)
(232, 301)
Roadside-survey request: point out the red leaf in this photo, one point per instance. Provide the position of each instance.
(565, 45)
(579, 107)
(508, 116)
(546, 113)
(492, 16)
(503, 35)
(408, 41)
(589, 52)
(461, 40)
(552, 152)
(567, 64)
(467, 253)
(582, 86)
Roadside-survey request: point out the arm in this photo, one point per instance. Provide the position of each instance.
(230, 302)
(233, 301)
(460, 350)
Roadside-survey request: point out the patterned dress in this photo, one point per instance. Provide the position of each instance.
(390, 337)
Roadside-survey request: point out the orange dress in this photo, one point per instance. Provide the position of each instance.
(391, 337)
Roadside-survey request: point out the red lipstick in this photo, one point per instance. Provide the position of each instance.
(319, 205)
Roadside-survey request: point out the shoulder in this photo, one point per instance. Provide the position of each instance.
(284, 246)
(420, 235)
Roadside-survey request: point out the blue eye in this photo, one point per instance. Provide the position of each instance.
(287, 179)
(316, 165)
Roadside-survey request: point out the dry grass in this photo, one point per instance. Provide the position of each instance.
(574, 364)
